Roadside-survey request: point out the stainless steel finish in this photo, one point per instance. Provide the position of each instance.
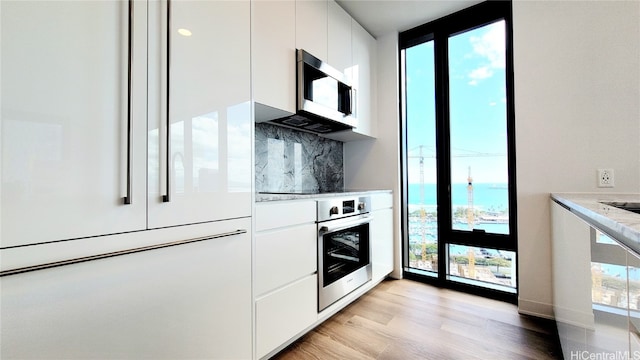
(327, 208)
(331, 293)
(117, 253)
(127, 199)
(306, 106)
(337, 225)
(336, 215)
(166, 197)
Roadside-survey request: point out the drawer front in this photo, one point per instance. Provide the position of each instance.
(381, 201)
(283, 256)
(285, 313)
(281, 214)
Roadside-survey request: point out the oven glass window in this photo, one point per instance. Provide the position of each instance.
(344, 252)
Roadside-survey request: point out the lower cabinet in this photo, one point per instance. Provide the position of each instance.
(286, 272)
(381, 236)
(184, 301)
(285, 282)
(284, 313)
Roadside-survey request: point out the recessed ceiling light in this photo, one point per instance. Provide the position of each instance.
(184, 32)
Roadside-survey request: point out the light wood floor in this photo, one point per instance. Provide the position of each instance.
(403, 319)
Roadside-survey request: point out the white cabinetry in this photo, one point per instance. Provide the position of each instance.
(381, 233)
(184, 301)
(68, 101)
(285, 285)
(64, 119)
(339, 53)
(273, 52)
(365, 49)
(361, 71)
(311, 27)
(202, 173)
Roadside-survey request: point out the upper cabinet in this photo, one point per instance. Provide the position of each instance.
(73, 121)
(339, 39)
(365, 54)
(361, 48)
(200, 143)
(87, 144)
(311, 27)
(273, 52)
(325, 30)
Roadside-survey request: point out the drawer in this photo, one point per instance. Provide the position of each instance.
(272, 215)
(285, 313)
(283, 256)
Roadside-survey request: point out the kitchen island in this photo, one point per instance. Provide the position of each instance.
(620, 224)
(596, 275)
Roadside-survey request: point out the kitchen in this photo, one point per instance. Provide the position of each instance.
(572, 92)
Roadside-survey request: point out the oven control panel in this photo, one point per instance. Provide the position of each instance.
(329, 209)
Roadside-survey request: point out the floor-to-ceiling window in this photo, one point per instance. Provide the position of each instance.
(458, 151)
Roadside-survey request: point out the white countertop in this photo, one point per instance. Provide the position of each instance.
(260, 197)
(622, 225)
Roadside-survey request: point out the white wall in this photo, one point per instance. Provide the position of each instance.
(577, 97)
(374, 164)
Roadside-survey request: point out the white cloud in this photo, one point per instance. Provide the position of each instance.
(480, 73)
(491, 48)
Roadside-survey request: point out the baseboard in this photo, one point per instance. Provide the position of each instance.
(534, 308)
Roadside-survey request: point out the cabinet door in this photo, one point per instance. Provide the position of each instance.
(273, 49)
(311, 27)
(200, 122)
(382, 243)
(67, 102)
(285, 313)
(186, 301)
(339, 42)
(364, 79)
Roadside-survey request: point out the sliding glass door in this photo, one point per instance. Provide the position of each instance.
(459, 223)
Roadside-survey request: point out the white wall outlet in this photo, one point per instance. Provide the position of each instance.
(605, 178)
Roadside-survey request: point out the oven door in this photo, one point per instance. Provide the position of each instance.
(344, 255)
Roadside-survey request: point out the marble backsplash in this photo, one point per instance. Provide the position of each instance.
(293, 161)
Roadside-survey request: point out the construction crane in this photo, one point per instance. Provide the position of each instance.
(423, 215)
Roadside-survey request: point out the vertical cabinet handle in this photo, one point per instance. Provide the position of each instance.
(165, 198)
(127, 199)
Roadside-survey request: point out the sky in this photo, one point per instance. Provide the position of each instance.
(477, 106)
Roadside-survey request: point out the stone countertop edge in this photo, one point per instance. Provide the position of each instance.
(279, 197)
(621, 225)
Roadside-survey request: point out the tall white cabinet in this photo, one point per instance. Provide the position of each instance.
(67, 102)
(200, 124)
(104, 101)
(126, 179)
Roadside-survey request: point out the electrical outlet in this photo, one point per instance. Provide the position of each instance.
(605, 178)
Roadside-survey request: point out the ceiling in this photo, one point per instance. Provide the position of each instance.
(380, 17)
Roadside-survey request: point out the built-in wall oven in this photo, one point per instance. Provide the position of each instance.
(344, 252)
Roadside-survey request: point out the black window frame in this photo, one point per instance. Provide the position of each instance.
(440, 31)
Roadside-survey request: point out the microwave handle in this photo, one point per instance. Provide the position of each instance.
(354, 105)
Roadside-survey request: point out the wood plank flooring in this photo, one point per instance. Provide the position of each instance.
(403, 319)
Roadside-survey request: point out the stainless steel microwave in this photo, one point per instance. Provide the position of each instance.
(326, 101)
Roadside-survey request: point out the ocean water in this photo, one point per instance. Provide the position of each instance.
(493, 197)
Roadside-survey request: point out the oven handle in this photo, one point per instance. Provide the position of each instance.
(362, 219)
